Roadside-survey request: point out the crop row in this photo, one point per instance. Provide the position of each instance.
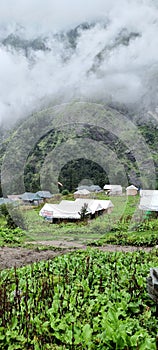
(85, 300)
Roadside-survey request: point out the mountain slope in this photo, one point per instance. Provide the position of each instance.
(75, 141)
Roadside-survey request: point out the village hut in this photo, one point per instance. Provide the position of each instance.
(95, 188)
(113, 190)
(131, 190)
(82, 194)
(14, 197)
(91, 188)
(30, 198)
(44, 195)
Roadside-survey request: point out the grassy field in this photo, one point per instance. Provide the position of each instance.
(126, 225)
(39, 229)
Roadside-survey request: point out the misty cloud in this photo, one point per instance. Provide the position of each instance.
(43, 61)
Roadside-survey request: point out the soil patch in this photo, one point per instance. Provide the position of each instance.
(10, 257)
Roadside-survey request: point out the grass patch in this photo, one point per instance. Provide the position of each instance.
(116, 228)
(143, 239)
(12, 238)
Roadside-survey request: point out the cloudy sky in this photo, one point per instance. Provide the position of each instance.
(127, 73)
(50, 14)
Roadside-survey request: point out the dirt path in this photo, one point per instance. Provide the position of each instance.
(71, 244)
(59, 244)
(10, 257)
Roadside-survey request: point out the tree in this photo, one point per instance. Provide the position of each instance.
(14, 217)
(65, 192)
(83, 212)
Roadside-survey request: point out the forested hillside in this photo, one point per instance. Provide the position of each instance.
(73, 169)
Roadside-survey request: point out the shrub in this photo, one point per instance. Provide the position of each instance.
(65, 192)
(14, 217)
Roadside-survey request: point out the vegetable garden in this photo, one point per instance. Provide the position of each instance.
(83, 300)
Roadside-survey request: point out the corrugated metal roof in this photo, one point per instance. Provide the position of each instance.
(5, 201)
(131, 187)
(84, 192)
(29, 196)
(44, 194)
(83, 187)
(15, 197)
(92, 188)
(113, 187)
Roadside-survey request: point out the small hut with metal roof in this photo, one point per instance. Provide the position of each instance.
(131, 190)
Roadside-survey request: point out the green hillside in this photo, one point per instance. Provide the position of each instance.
(77, 141)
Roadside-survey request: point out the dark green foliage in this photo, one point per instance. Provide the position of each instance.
(36, 159)
(87, 300)
(77, 170)
(1, 194)
(73, 172)
(11, 237)
(3, 210)
(65, 192)
(145, 239)
(14, 217)
(83, 212)
(150, 134)
(141, 233)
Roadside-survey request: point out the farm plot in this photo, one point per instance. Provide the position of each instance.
(83, 300)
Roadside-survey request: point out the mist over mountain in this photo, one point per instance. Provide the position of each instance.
(103, 51)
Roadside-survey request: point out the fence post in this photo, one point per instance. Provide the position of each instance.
(152, 286)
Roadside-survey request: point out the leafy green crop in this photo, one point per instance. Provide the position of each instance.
(86, 300)
(140, 239)
(11, 236)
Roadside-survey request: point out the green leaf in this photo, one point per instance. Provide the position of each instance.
(87, 333)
